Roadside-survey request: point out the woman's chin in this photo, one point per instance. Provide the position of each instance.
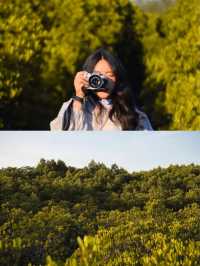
(103, 95)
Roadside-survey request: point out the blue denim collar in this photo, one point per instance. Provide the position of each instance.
(106, 101)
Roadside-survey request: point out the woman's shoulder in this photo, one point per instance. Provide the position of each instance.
(64, 107)
(57, 123)
(143, 121)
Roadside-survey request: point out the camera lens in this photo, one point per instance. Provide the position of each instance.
(95, 81)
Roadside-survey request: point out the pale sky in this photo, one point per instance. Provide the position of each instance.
(134, 151)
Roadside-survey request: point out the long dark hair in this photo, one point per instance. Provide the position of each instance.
(123, 107)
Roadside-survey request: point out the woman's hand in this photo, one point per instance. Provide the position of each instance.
(80, 83)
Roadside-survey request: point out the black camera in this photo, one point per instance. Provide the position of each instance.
(99, 82)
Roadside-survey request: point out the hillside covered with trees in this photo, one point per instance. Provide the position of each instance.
(55, 215)
(44, 43)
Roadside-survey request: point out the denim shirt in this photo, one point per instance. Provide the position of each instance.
(85, 119)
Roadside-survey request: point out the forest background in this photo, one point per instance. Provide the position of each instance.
(44, 43)
(55, 214)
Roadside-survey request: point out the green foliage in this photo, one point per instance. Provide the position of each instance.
(22, 38)
(57, 215)
(173, 66)
(184, 73)
(120, 246)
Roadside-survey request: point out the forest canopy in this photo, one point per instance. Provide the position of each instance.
(44, 43)
(55, 215)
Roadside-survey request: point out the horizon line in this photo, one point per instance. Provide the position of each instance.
(108, 166)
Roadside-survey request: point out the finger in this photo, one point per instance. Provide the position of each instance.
(81, 73)
(78, 75)
(81, 79)
(84, 84)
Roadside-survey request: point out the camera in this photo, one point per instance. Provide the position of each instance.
(99, 82)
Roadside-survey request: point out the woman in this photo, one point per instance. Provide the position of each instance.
(101, 109)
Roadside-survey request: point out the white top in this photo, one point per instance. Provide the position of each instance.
(86, 119)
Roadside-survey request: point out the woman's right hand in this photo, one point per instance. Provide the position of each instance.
(80, 83)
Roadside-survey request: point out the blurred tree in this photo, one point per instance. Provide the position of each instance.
(22, 95)
(172, 67)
